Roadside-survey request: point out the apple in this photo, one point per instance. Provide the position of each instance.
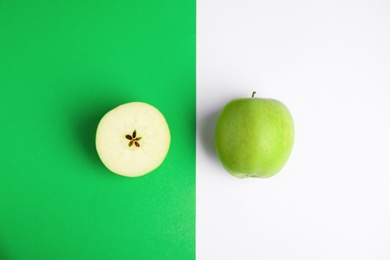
(133, 139)
(254, 136)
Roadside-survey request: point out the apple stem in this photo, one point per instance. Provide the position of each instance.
(254, 93)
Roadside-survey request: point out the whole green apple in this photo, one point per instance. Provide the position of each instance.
(254, 136)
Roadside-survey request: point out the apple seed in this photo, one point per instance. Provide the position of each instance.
(133, 139)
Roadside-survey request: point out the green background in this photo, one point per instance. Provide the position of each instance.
(63, 65)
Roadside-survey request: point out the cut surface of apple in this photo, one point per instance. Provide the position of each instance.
(133, 139)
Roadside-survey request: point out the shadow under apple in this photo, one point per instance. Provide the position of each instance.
(86, 121)
(207, 125)
(85, 132)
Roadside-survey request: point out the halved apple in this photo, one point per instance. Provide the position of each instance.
(133, 139)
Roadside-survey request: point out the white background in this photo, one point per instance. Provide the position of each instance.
(329, 62)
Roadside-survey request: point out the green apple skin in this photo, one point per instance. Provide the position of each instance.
(254, 137)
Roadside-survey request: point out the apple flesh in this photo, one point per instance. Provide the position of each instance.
(133, 139)
(254, 137)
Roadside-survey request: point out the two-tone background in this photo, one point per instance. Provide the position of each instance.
(63, 64)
